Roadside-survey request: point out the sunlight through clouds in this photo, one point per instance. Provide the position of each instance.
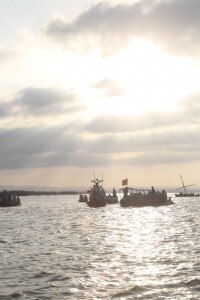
(100, 85)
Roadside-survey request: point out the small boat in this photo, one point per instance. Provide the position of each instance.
(185, 194)
(144, 197)
(97, 197)
(111, 199)
(83, 198)
(7, 199)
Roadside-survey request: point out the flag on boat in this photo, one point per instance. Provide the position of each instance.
(125, 181)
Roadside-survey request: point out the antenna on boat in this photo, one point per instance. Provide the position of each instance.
(183, 184)
(94, 175)
(102, 180)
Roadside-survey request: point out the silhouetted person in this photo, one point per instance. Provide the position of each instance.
(114, 193)
(125, 190)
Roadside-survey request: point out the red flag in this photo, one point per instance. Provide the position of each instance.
(125, 181)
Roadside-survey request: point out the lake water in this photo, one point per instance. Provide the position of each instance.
(54, 247)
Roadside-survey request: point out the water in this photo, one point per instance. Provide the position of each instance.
(54, 247)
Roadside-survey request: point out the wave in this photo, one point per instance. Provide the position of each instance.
(130, 292)
(193, 282)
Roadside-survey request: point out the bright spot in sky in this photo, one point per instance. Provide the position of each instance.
(149, 79)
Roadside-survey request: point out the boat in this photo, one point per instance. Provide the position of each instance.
(83, 198)
(144, 197)
(7, 199)
(185, 194)
(111, 199)
(97, 195)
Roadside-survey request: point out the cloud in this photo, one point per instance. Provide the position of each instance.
(34, 147)
(66, 145)
(145, 121)
(7, 54)
(150, 138)
(4, 109)
(172, 24)
(109, 87)
(43, 102)
(187, 113)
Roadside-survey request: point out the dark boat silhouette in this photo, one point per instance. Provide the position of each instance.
(185, 194)
(144, 197)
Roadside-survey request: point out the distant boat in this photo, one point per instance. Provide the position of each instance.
(83, 198)
(185, 194)
(7, 199)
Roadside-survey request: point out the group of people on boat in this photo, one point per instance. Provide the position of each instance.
(139, 198)
(150, 193)
(131, 197)
(8, 199)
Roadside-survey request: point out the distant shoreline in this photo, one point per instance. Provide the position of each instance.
(40, 193)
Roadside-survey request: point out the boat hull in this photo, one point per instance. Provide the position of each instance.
(144, 200)
(97, 200)
(187, 195)
(8, 200)
(9, 204)
(83, 198)
(111, 199)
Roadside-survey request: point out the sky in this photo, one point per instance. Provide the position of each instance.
(104, 88)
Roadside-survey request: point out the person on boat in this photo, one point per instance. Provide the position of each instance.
(114, 192)
(125, 191)
(85, 198)
(102, 190)
(153, 191)
(18, 200)
(81, 197)
(96, 190)
(164, 194)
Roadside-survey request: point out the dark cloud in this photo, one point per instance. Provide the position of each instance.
(64, 145)
(4, 109)
(173, 24)
(149, 138)
(42, 102)
(45, 101)
(51, 146)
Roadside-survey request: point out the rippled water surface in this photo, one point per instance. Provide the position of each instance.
(53, 247)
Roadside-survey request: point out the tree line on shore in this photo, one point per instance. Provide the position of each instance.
(40, 193)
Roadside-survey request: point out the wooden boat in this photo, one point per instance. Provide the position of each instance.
(110, 199)
(144, 197)
(8, 200)
(83, 198)
(97, 197)
(185, 194)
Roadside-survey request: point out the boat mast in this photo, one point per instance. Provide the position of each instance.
(183, 184)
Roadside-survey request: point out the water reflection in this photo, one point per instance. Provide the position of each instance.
(58, 246)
